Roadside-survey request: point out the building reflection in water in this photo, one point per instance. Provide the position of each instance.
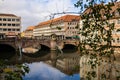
(107, 70)
(42, 71)
(68, 65)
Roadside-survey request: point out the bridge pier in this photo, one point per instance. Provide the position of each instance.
(53, 57)
(53, 45)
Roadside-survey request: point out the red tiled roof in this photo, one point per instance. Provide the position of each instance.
(114, 8)
(30, 28)
(66, 18)
(1, 14)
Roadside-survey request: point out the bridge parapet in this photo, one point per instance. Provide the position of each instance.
(10, 42)
(36, 43)
(73, 42)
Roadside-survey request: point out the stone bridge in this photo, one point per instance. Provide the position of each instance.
(38, 43)
(35, 43)
(11, 42)
(15, 43)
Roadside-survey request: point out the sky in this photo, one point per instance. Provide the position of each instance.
(32, 12)
(42, 71)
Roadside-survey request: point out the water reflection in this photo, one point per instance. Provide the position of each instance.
(42, 71)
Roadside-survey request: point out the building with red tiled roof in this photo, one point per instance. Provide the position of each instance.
(103, 67)
(10, 25)
(63, 27)
(115, 19)
(28, 33)
(1, 14)
(30, 28)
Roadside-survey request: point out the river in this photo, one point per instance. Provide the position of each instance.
(42, 71)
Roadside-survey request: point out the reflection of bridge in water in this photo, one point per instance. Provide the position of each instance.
(46, 45)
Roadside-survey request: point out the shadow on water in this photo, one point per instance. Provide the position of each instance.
(6, 51)
(42, 52)
(69, 48)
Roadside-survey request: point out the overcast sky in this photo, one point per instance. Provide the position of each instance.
(33, 12)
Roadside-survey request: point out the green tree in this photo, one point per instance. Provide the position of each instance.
(12, 72)
(96, 37)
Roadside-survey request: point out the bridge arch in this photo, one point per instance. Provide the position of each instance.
(12, 44)
(7, 51)
(44, 50)
(69, 48)
(44, 47)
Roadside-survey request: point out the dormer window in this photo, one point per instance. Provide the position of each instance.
(73, 20)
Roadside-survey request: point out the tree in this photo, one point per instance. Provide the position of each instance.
(96, 39)
(12, 72)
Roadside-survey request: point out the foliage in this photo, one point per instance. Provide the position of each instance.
(58, 27)
(96, 32)
(77, 26)
(17, 74)
(13, 72)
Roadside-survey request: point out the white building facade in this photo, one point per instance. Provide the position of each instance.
(64, 27)
(10, 25)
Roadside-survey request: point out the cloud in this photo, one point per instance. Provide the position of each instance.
(42, 71)
(33, 12)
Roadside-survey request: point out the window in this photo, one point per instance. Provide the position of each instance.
(4, 19)
(4, 29)
(68, 23)
(13, 19)
(17, 19)
(9, 24)
(9, 19)
(118, 40)
(73, 20)
(0, 24)
(118, 21)
(68, 27)
(9, 29)
(13, 29)
(17, 24)
(13, 24)
(18, 29)
(4, 24)
(113, 40)
(0, 19)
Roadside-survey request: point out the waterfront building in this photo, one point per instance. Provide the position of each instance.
(103, 69)
(115, 20)
(10, 25)
(28, 33)
(64, 27)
